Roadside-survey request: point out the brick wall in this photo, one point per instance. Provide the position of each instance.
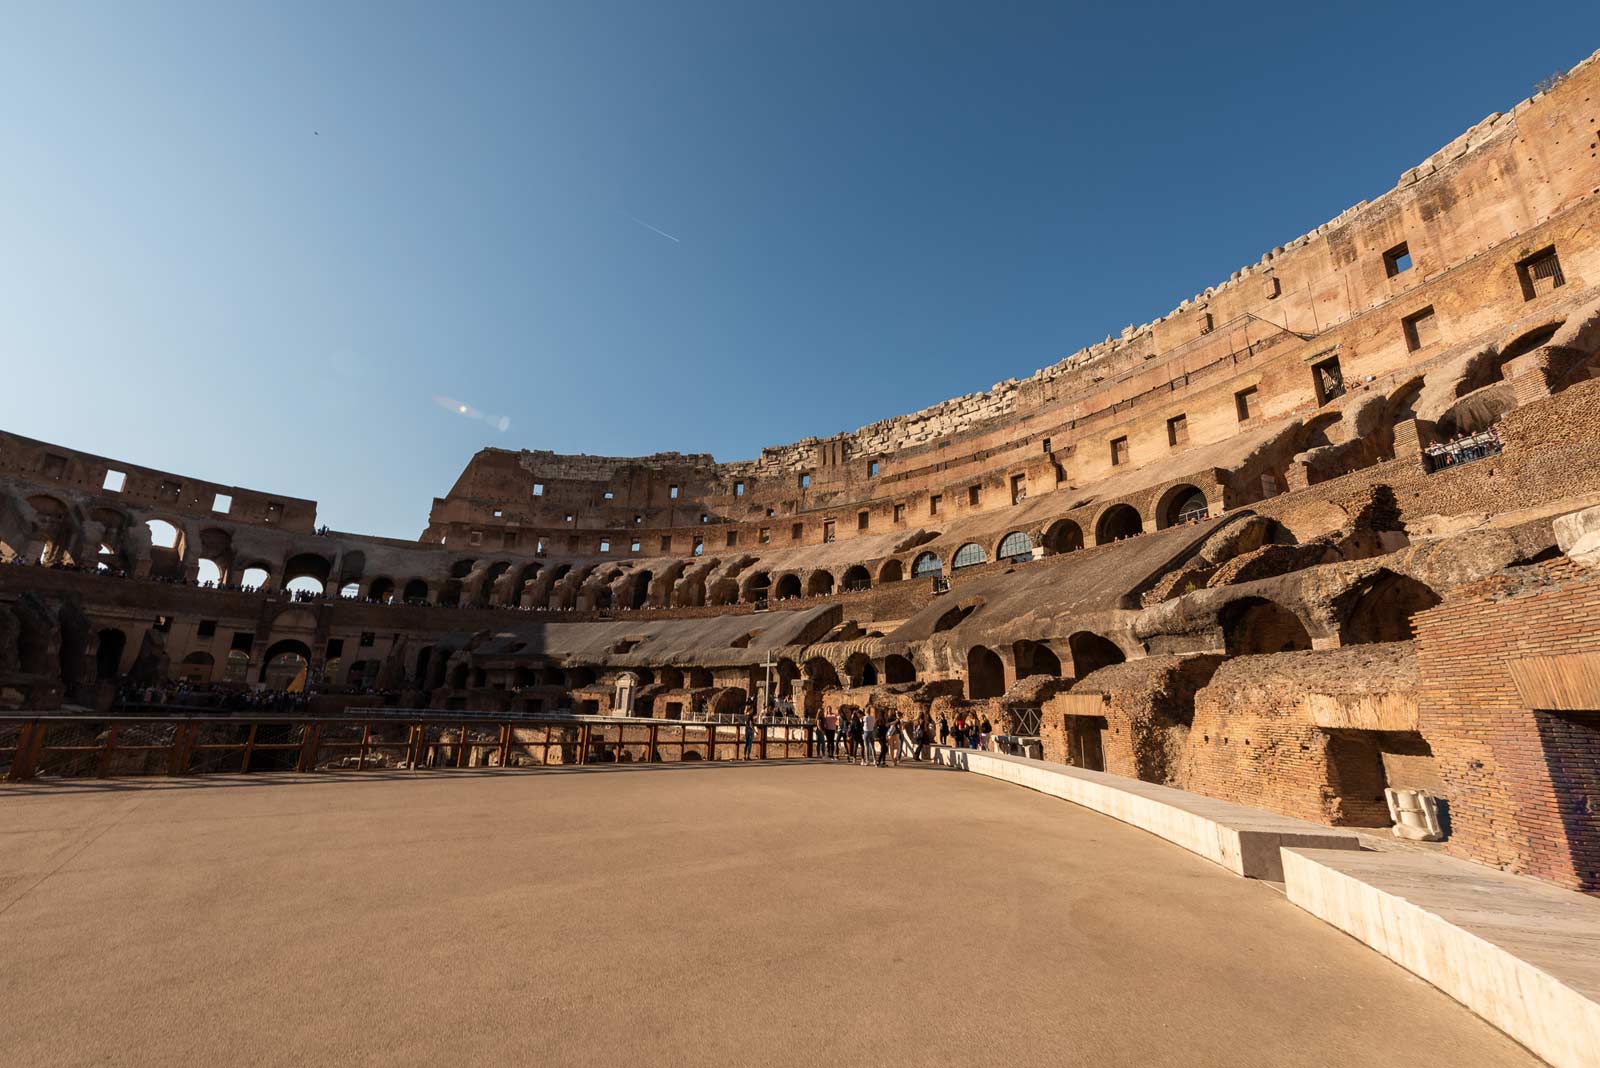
(1523, 783)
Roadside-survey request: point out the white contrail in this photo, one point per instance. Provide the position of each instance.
(657, 229)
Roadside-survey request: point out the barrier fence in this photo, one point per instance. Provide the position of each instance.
(43, 746)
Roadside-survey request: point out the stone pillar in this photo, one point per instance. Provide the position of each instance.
(1530, 375)
(1408, 443)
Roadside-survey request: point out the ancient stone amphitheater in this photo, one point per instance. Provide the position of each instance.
(1318, 533)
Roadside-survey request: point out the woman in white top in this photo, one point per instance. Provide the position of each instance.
(869, 724)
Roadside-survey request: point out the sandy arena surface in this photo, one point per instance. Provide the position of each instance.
(773, 914)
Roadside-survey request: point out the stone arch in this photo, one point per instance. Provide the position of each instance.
(1255, 625)
(856, 578)
(308, 572)
(788, 587)
(1183, 503)
(168, 546)
(821, 674)
(859, 669)
(1383, 613)
(786, 672)
(1090, 652)
(986, 675)
(416, 591)
(197, 667)
(757, 587)
(1063, 536)
(953, 616)
(927, 565)
(819, 583)
(1014, 546)
(891, 570)
(451, 593)
(897, 668)
(969, 555)
(283, 663)
(1116, 522)
(381, 590)
(1035, 658)
(724, 591)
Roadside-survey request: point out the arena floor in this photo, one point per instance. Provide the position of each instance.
(779, 914)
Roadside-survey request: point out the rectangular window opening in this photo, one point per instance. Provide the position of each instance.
(1328, 380)
(974, 494)
(827, 530)
(222, 503)
(1540, 273)
(672, 492)
(605, 545)
(933, 504)
(872, 469)
(738, 489)
(1421, 328)
(862, 519)
(733, 538)
(797, 532)
(1178, 430)
(899, 513)
(1397, 260)
(1119, 452)
(114, 481)
(1244, 402)
(538, 489)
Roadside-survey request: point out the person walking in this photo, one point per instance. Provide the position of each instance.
(749, 732)
(854, 748)
(897, 738)
(944, 730)
(883, 739)
(830, 735)
(869, 737)
(985, 729)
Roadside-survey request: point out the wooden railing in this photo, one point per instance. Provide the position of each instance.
(68, 746)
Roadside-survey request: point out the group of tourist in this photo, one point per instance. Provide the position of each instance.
(1463, 448)
(873, 740)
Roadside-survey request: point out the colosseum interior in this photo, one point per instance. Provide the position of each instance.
(1319, 531)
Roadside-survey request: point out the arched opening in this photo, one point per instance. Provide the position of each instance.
(1091, 652)
(451, 594)
(285, 665)
(304, 586)
(1063, 536)
(639, 591)
(209, 574)
(986, 675)
(724, 591)
(163, 535)
(926, 565)
(860, 671)
(255, 578)
(381, 590)
(196, 668)
(108, 654)
(969, 555)
(757, 587)
(953, 617)
(485, 595)
(306, 574)
(350, 591)
(897, 668)
(166, 549)
(788, 587)
(857, 578)
(1181, 504)
(891, 571)
(819, 584)
(821, 675)
(1015, 546)
(1035, 658)
(1383, 614)
(1119, 521)
(1255, 625)
(416, 592)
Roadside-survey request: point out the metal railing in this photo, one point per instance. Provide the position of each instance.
(71, 746)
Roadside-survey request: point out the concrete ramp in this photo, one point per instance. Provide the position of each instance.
(1246, 841)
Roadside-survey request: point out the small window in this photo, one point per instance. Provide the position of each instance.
(1207, 323)
(862, 519)
(610, 496)
(274, 511)
(1397, 260)
(1421, 328)
(899, 513)
(605, 545)
(1047, 445)
(568, 517)
(666, 543)
(222, 504)
(538, 489)
(638, 519)
(1119, 451)
(633, 546)
(764, 535)
(827, 530)
(1274, 288)
(805, 481)
(334, 648)
(538, 547)
(367, 639)
(974, 494)
(1244, 402)
(797, 532)
(1540, 273)
(243, 640)
(733, 538)
(699, 546)
(1178, 430)
(1019, 488)
(1328, 380)
(206, 629)
(771, 512)
(933, 503)
(498, 514)
(738, 489)
(672, 491)
(114, 481)
(872, 469)
(476, 538)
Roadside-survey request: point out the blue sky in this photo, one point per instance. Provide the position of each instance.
(253, 243)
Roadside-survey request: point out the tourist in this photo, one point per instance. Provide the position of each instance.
(959, 732)
(944, 730)
(869, 737)
(830, 734)
(749, 731)
(854, 748)
(882, 729)
(984, 731)
(897, 738)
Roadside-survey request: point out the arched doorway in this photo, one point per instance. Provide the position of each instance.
(286, 664)
(891, 571)
(1119, 521)
(1091, 652)
(1181, 504)
(1015, 546)
(986, 675)
(1035, 658)
(196, 668)
(927, 565)
(969, 555)
(416, 592)
(788, 587)
(1063, 536)
(1254, 625)
(897, 668)
(1383, 614)
(857, 578)
(819, 584)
